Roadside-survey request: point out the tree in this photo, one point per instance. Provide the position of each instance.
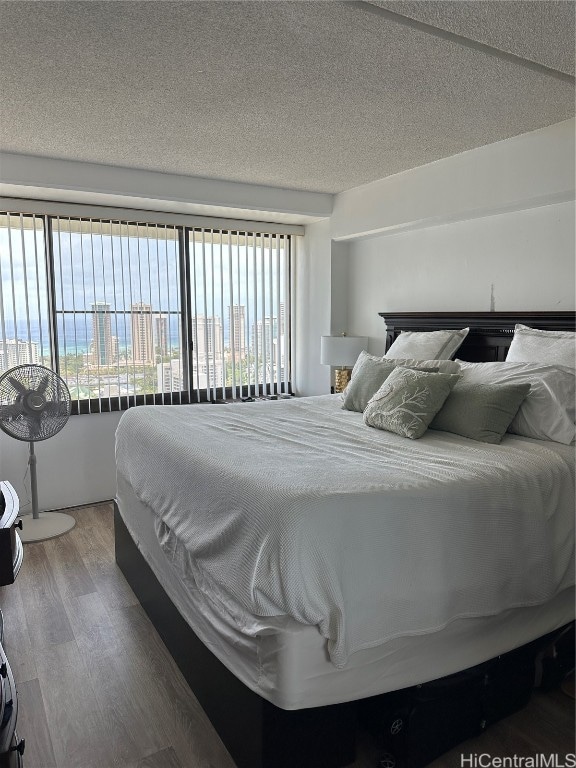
(71, 365)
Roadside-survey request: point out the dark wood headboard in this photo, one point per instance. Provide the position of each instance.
(490, 332)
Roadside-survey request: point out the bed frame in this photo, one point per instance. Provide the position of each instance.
(490, 332)
(257, 733)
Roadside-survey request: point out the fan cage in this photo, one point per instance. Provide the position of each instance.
(35, 403)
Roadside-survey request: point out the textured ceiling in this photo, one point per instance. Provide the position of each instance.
(318, 96)
(538, 31)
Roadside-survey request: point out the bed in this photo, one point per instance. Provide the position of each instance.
(283, 607)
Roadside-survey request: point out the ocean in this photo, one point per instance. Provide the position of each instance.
(75, 333)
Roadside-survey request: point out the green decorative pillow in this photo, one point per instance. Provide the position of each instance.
(360, 359)
(369, 373)
(408, 400)
(480, 411)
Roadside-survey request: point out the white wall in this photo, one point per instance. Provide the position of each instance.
(46, 178)
(523, 172)
(311, 297)
(522, 260)
(76, 466)
(320, 295)
(438, 237)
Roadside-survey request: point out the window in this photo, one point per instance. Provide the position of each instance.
(117, 306)
(130, 313)
(239, 323)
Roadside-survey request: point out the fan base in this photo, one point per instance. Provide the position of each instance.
(47, 526)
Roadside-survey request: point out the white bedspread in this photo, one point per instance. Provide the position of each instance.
(297, 508)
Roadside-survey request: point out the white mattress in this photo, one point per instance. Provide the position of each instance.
(287, 663)
(297, 509)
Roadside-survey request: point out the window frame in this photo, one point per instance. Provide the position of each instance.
(184, 224)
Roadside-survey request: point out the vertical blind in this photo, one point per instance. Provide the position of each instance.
(240, 299)
(24, 315)
(130, 313)
(113, 283)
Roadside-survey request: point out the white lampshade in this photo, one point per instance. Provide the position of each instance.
(341, 350)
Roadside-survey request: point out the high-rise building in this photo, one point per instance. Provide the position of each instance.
(237, 318)
(142, 341)
(102, 344)
(161, 337)
(264, 333)
(208, 374)
(18, 352)
(207, 336)
(115, 348)
(271, 347)
(170, 376)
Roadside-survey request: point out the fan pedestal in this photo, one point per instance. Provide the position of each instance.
(47, 525)
(35, 405)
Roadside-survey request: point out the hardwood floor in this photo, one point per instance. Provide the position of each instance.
(98, 689)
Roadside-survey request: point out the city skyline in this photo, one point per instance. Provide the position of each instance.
(262, 352)
(80, 332)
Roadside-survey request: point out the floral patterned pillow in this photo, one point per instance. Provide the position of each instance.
(408, 400)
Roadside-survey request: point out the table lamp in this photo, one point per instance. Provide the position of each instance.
(341, 352)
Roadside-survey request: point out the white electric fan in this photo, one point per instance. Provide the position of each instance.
(35, 405)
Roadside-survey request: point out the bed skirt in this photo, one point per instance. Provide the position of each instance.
(258, 734)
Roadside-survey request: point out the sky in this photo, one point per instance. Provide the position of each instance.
(122, 270)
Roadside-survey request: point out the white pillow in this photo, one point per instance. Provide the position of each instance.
(427, 345)
(548, 411)
(531, 345)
